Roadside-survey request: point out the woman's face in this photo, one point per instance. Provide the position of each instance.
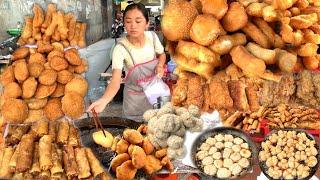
(135, 23)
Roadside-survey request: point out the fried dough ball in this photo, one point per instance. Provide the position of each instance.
(83, 67)
(48, 77)
(59, 91)
(152, 164)
(132, 136)
(219, 137)
(238, 140)
(223, 173)
(64, 76)
(58, 63)
(235, 156)
(236, 169)
(7, 76)
(218, 8)
(245, 153)
(219, 145)
(235, 18)
(130, 149)
(212, 150)
(312, 161)
(20, 53)
(211, 141)
(44, 91)
(207, 160)
(12, 90)
(138, 157)
(29, 87)
(227, 163)
(122, 146)
(73, 105)
(147, 146)
(118, 160)
(205, 29)
(228, 144)
(35, 104)
(73, 57)
(175, 141)
(217, 155)
(126, 171)
(78, 85)
(228, 138)
(226, 153)
(53, 110)
(210, 169)
(20, 70)
(205, 147)
(14, 110)
(218, 163)
(37, 58)
(161, 135)
(202, 154)
(35, 69)
(150, 114)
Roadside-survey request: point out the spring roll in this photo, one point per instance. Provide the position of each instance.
(45, 155)
(25, 153)
(56, 169)
(35, 169)
(95, 165)
(44, 175)
(4, 169)
(83, 164)
(69, 160)
(53, 130)
(43, 128)
(73, 137)
(17, 133)
(13, 160)
(63, 132)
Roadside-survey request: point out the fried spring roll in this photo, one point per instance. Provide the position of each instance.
(19, 132)
(43, 128)
(35, 169)
(95, 165)
(13, 160)
(25, 153)
(56, 169)
(73, 137)
(83, 164)
(45, 155)
(4, 169)
(44, 175)
(69, 161)
(53, 130)
(63, 132)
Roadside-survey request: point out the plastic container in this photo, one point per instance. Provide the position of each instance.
(171, 66)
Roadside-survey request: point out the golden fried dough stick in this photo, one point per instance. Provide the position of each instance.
(27, 30)
(82, 35)
(257, 35)
(48, 17)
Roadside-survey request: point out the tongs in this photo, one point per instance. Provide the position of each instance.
(97, 121)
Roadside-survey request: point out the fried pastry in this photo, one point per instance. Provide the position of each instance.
(73, 105)
(12, 90)
(71, 27)
(126, 171)
(122, 146)
(219, 97)
(268, 56)
(74, 41)
(58, 63)
(27, 29)
(235, 18)
(14, 110)
(83, 67)
(51, 8)
(53, 109)
(100, 139)
(218, 8)
(48, 77)
(35, 69)
(55, 53)
(238, 94)
(59, 91)
(7, 76)
(20, 53)
(64, 76)
(44, 48)
(152, 164)
(37, 58)
(20, 70)
(29, 87)
(132, 136)
(35, 116)
(78, 85)
(225, 43)
(138, 157)
(82, 35)
(44, 91)
(57, 46)
(257, 35)
(118, 160)
(147, 146)
(35, 104)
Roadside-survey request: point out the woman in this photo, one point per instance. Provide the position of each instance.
(142, 55)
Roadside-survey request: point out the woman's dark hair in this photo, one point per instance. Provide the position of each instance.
(138, 6)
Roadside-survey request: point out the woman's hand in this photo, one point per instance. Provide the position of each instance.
(98, 105)
(160, 70)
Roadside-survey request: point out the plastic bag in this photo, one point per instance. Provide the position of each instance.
(153, 88)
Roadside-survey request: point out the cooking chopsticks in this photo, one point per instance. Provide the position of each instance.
(97, 121)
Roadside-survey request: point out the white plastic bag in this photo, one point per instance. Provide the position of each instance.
(154, 87)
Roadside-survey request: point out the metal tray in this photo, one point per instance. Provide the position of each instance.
(313, 171)
(223, 130)
(116, 126)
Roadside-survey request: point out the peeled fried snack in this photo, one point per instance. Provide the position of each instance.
(138, 157)
(7, 76)
(96, 168)
(205, 29)
(218, 8)
(64, 76)
(59, 91)
(152, 164)
(177, 19)
(12, 90)
(25, 153)
(37, 58)
(58, 63)
(257, 35)
(27, 29)
(78, 85)
(35, 104)
(203, 69)
(200, 53)
(73, 105)
(246, 61)
(72, 57)
(35, 69)
(235, 18)
(98, 138)
(44, 91)
(29, 87)
(45, 149)
(38, 19)
(83, 163)
(118, 160)
(20, 70)
(20, 53)
(82, 35)
(53, 109)
(132, 136)
(14, 110)
(225, 43)
(267, 55)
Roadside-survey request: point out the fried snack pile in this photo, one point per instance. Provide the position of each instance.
(224, 156)
(47, 150)
(134, 152)
(42, 85)
(167, 127)
(289, 155)
(52, 28)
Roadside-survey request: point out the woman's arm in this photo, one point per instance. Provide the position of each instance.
(160, 66)
(110, 92)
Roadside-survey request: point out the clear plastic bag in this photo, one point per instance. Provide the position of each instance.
(154, 87)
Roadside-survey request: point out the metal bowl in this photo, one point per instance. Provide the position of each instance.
(264, 167)
(223, 130)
